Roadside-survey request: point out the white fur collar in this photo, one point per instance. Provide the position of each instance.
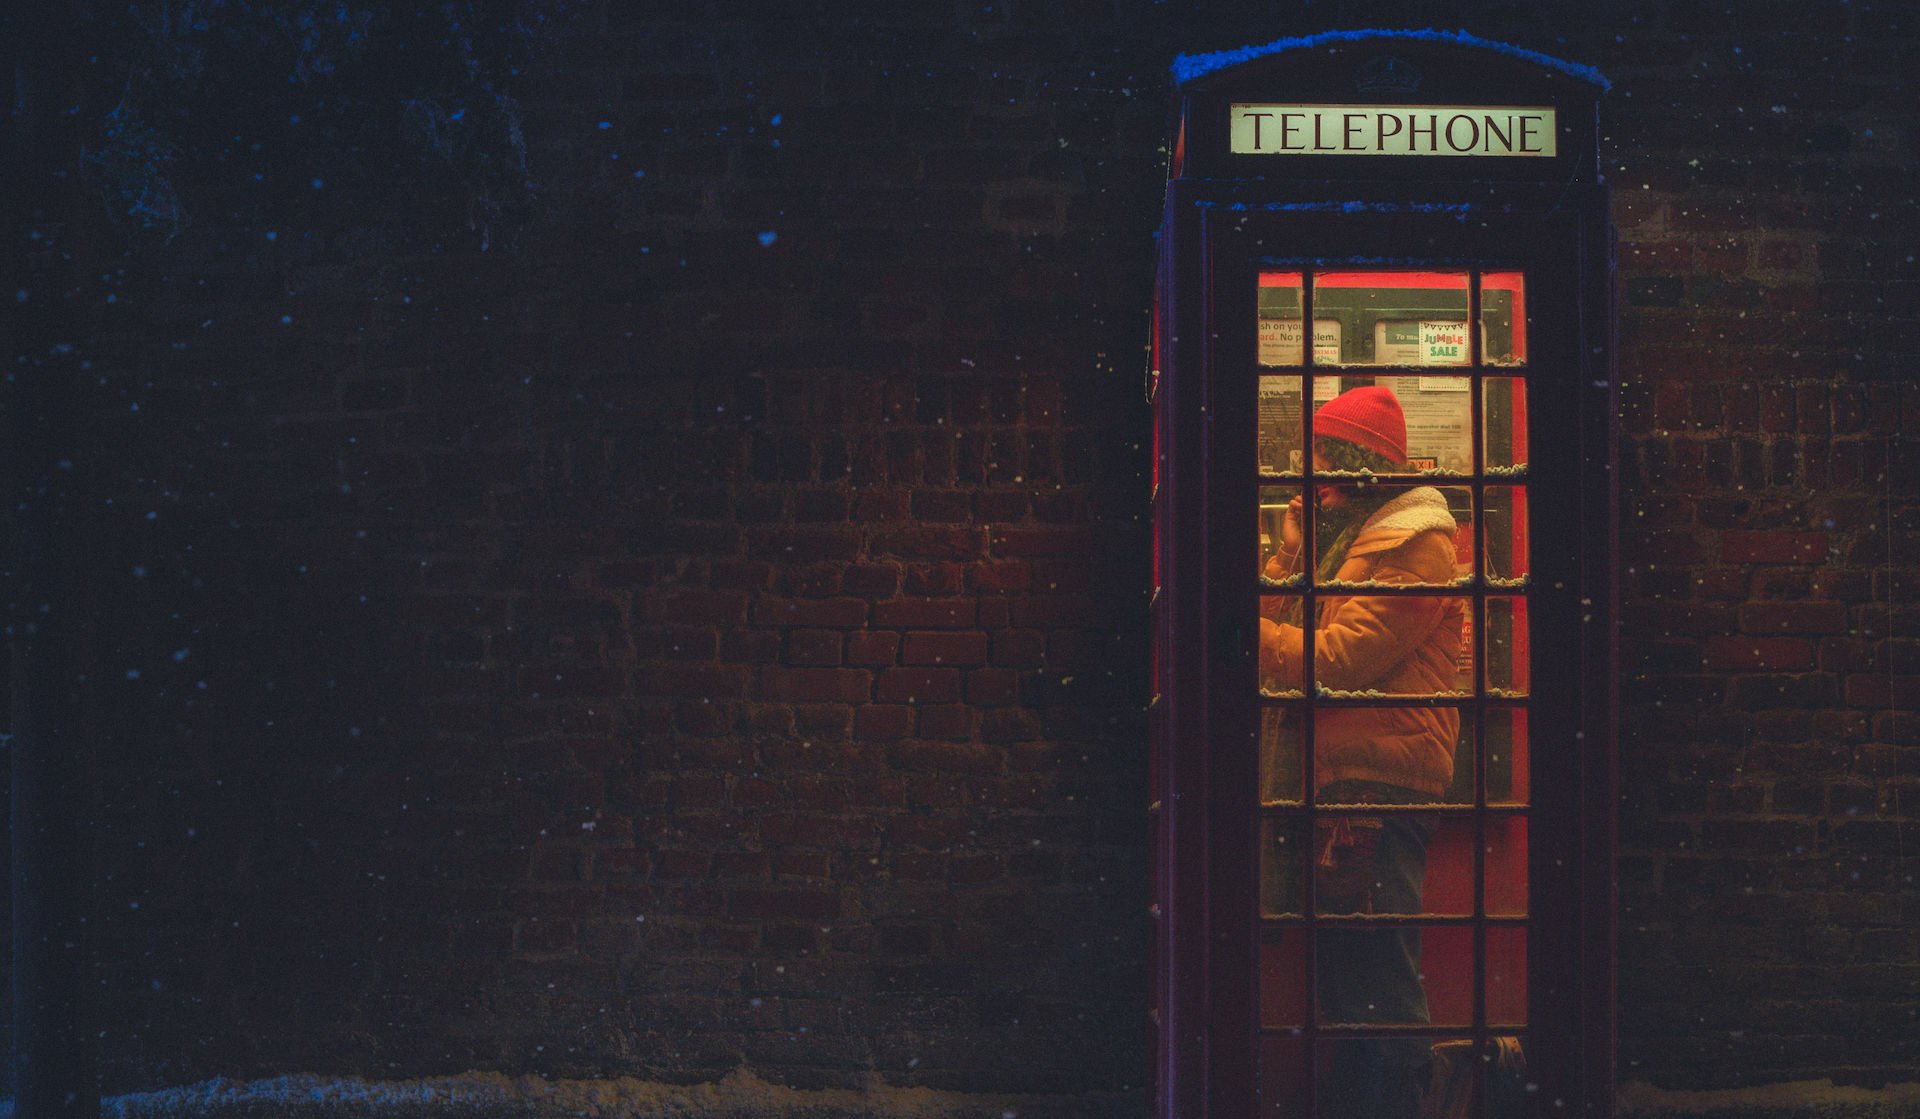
(1417, 510)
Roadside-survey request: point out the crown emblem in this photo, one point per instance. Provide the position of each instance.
(1387, 74)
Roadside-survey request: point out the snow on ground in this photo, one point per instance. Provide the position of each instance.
(742, 1095)
(486, 1095)
(1799, 1099)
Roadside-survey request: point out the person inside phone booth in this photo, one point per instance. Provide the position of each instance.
(1365, 644)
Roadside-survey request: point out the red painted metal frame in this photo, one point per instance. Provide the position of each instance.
(1217, 235)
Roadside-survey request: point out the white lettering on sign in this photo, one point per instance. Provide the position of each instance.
(1423, 342)
(1280, 341)
(1468, 130)
(1444, 343)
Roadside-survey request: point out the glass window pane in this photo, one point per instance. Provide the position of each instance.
(1283, 1077)
(1281, 654)
(1279, 526)
(1507, 528)
(1395, 318)
(1508, 647)
(1354, 1080)
(1435, 411)
(1379, 645)
(1464, 1071)
(1280, 770)
(1506, 976)
(1401, 862)
(1503, 438)
(1392, 533)
(1283, 979)
(1503, 318)
(1439, 415)
(1281, 450)
(1430, 747)
(1398, 975)
(1508, 766)
(1506, 866)
(1371, 1077)
(1280, 341)
(1282, 862)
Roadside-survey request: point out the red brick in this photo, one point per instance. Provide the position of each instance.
(918, 685)
(1052, 540)
(1794, 617)
(801, 864)
(987, 687)
(872, 647)
(743, 575)
(1758, 654)
(878, 792)
(881, 505)
(936, 794)
(925, 541)
(704, 680)
(1019, 648)
(928, 831)
(928, 613)
(755, 792)
(918, 866)
(935, 580)
(1045, 611)
(755, 904)
(819, 505)
(740, 864)
(1881, 690)
(584, 680)
(1004, 575)
(950, 506)
(818, 794)
(948, 757)
(802, 545)
(699, 792)
(872, 579)
(697, 608)
(626, 861)
(820, 720)
(949, 720)
(817, 831)
(839, 612)
(1639, 256)
(813, 647)
(875, 722)
(961, 650)
(1773, 546)
(815, 685)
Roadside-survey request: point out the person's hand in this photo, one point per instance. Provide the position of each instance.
(1290, 531)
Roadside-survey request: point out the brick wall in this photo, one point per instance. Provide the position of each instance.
(645, 575)
(1770, 477)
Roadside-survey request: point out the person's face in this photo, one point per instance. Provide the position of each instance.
(1328, 497)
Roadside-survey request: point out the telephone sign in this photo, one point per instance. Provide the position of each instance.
(1382, 817)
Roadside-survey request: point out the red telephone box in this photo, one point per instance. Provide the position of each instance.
(1383, 729)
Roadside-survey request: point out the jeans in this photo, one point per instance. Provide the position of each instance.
(1372, 976)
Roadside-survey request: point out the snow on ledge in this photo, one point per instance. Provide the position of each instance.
(491, 1095)
(1799, 1099)
(1187, 67)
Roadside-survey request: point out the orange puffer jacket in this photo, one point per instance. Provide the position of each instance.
(1392, 644)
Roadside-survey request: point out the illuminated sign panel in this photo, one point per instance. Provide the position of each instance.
(1459, 130)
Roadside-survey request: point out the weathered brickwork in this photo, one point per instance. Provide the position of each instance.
(685, 608)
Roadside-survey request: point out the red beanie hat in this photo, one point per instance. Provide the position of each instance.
(1370, 416)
